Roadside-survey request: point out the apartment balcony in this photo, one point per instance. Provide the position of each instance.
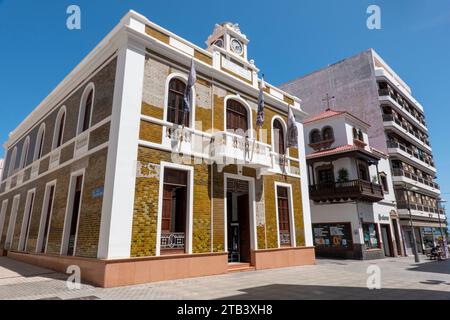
(230, 148)
(393, 123)
(420, 211)
(402, 176)
(344, 191)
(410, 155)
(388, 96)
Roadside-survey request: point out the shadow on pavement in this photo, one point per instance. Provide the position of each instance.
(306, 292)
(433, 267)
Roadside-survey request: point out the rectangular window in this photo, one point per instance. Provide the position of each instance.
(371, 237)
(174, 211)
(284, 216)
(72, 215)
(46, 218)
(12, 222)
(325, 176)
(2, 216)
(384, 183)
(26, 221)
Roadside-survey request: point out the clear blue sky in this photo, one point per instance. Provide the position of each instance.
(288, 39)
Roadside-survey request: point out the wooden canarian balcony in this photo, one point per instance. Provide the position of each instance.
(344, 191)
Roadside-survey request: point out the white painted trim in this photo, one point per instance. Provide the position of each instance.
(69, 208)
(61, 112)
(246, 105)
(120, 178)
(190, 205)
(27, 215)
(291, 213)
(12, 222)
(82, 108)
(39, 138)
(3, 216)
(44, 210)
(252, 209)
(184, 78)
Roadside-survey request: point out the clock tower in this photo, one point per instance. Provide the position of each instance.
(228, 37)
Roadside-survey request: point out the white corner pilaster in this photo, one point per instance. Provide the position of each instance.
(120, 179)
(305, 188)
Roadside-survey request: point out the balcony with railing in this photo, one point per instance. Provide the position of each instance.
(230, 148)
(409, 153)
(400, 175)
(350, 190)
(421, 210)
(401, 103)
(390, 120)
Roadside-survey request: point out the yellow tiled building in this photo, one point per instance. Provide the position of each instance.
(191, 193)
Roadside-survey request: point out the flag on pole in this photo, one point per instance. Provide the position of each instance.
(292, 130)
(187, 101)
(260, 114)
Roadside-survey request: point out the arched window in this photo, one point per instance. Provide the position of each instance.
(314, 136)
(175, 112)
(24, 155)
(12, 162)
(86, 106)
(237, 117)
(59, 128)
(327, 134)
(278, 137)
(39, 143)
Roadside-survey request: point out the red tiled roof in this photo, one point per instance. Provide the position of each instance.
(328, 113)
(340, 149)
(323, 115)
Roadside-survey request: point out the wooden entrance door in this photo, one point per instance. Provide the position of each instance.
(387, 240)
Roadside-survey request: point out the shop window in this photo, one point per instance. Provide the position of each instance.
(371, 237)
(174, 212)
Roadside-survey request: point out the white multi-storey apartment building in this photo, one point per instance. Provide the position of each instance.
(367, 87)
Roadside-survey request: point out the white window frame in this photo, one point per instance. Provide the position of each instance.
(39, 140)
(27, 216)
(252, 209)
(12, 162)
(190, 199)
(12, 222)
(61, 111)
(68, 215)
(249, 111)
(291, 213)
(3, 210)
(184, 78)
(25, 152)
(284, 125)
(82, 110)
(44, 210)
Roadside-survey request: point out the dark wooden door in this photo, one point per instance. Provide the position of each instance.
(244, 227)
(283, 216)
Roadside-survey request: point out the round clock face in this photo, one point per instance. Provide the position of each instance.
(219, 43)
(236, 46)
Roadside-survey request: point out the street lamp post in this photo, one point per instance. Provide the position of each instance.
(416, 253)
(444, 240)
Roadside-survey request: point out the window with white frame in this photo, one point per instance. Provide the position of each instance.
(59, 128)
(12, 162)
(39, 143)
(24, 155)
(86, 107)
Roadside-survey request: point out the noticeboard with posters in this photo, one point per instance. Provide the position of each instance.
(332, 235)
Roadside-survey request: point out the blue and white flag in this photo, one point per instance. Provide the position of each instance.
(187, 101)
(260, 114)
(292, 130)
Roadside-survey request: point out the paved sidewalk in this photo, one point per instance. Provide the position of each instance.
(329, 279)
